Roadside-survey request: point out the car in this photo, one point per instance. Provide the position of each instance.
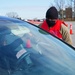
(26, 49)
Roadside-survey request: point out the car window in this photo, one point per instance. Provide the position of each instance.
(28, 50)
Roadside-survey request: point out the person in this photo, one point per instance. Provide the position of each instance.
(14, 58)
(56, 26)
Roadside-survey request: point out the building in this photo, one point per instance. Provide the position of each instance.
(68, 13)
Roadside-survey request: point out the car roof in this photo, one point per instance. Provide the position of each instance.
(10, 19)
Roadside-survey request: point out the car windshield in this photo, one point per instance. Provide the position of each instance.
(25, 49)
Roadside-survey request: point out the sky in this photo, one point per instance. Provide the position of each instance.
(26, 9)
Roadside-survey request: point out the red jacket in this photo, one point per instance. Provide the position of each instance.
(55, 30)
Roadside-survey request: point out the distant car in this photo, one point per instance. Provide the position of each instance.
(25, 49)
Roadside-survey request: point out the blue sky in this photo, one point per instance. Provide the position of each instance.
(27, 9)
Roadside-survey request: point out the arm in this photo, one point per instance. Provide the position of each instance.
(65, 34)
(40, 24)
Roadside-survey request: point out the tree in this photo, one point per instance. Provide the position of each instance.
(74, 9)
(12, 14)
(73, 6)
(60, 5)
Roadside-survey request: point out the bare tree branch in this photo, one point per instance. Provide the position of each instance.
(12, 14)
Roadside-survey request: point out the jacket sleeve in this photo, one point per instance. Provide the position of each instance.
(65, 34)
(40, 24)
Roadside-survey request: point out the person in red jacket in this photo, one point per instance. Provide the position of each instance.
(55, 26)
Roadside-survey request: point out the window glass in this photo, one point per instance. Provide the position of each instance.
(28, 50)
